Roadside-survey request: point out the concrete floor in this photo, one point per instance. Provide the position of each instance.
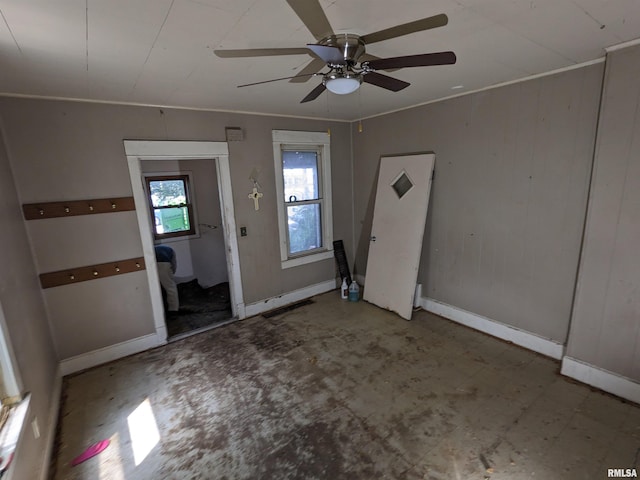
(340, 390)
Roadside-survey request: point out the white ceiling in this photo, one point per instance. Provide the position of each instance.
(160, 52)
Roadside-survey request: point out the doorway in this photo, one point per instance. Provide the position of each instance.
(197, 314)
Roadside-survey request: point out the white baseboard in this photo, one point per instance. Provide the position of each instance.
(525, 339)
(120, 350)
(54, 410)
(110, 353)
(596, 377)
(286, 298)
(240, 311)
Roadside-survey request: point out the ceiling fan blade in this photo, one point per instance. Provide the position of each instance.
(384, 81)
(423, 60)
(260, 52)
(313, 94)
(307, 72)
(367, 57)
(274, 80)
(313, 16)
(329, 54)
(406, 28)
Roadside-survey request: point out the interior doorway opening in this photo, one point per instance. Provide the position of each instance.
(186, 217)
(207, 273)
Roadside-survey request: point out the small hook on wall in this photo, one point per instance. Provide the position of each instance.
(69, 208)
(91, 272)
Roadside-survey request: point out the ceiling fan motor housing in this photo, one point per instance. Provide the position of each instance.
(351, 46)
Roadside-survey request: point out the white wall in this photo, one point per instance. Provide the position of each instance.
(509, 196)
(73, 150)
(605, 330)
(28, 328)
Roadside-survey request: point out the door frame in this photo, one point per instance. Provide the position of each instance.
(138, 150)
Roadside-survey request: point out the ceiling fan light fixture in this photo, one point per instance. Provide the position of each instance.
(342, 83)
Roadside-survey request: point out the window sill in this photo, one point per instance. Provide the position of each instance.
(303, 260)
(11, 433)
(179, 238)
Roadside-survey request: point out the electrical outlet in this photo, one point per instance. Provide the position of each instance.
(243, 231)
(35, 428)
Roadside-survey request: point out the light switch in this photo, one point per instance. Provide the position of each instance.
(243, 231)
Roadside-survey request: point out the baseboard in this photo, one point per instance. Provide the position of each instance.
(618, 385)
(114, 352)
(286, 298)
(108, 354)
(522, 338)
(54, 410)
(240, 311)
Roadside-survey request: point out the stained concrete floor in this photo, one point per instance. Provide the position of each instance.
(340, 390)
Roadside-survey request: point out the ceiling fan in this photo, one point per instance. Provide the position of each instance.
(344, 54)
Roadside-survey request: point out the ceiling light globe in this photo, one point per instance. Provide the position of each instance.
(342, 84)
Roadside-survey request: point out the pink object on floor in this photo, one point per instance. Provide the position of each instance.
(92, 451)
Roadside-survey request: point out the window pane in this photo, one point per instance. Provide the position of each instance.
(402, 185)
(165, 193)
(169, 220)
(305, 230)
(300, 171)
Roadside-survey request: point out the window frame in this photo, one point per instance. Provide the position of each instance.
(288, 140)
(189, 204)
(14, 402)
(297, 203)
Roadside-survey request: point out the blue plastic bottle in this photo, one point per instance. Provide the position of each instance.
(354, 292)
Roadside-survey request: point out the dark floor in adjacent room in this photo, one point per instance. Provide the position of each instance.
(341, 390)
(200, 308)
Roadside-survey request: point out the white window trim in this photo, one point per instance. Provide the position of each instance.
(11, 381)
(192, 197)
(314, 140)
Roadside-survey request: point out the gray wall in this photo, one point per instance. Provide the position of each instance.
(26, 323)
(201, 258)
(72, 150)
(508, 200)
(605, 330)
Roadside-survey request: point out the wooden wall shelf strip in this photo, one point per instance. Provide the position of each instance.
(91, 272)
(35, 211)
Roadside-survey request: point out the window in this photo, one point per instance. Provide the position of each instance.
(14, 407)
(402, 184)
(170, 203)
(303, 199)
(303, 186)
